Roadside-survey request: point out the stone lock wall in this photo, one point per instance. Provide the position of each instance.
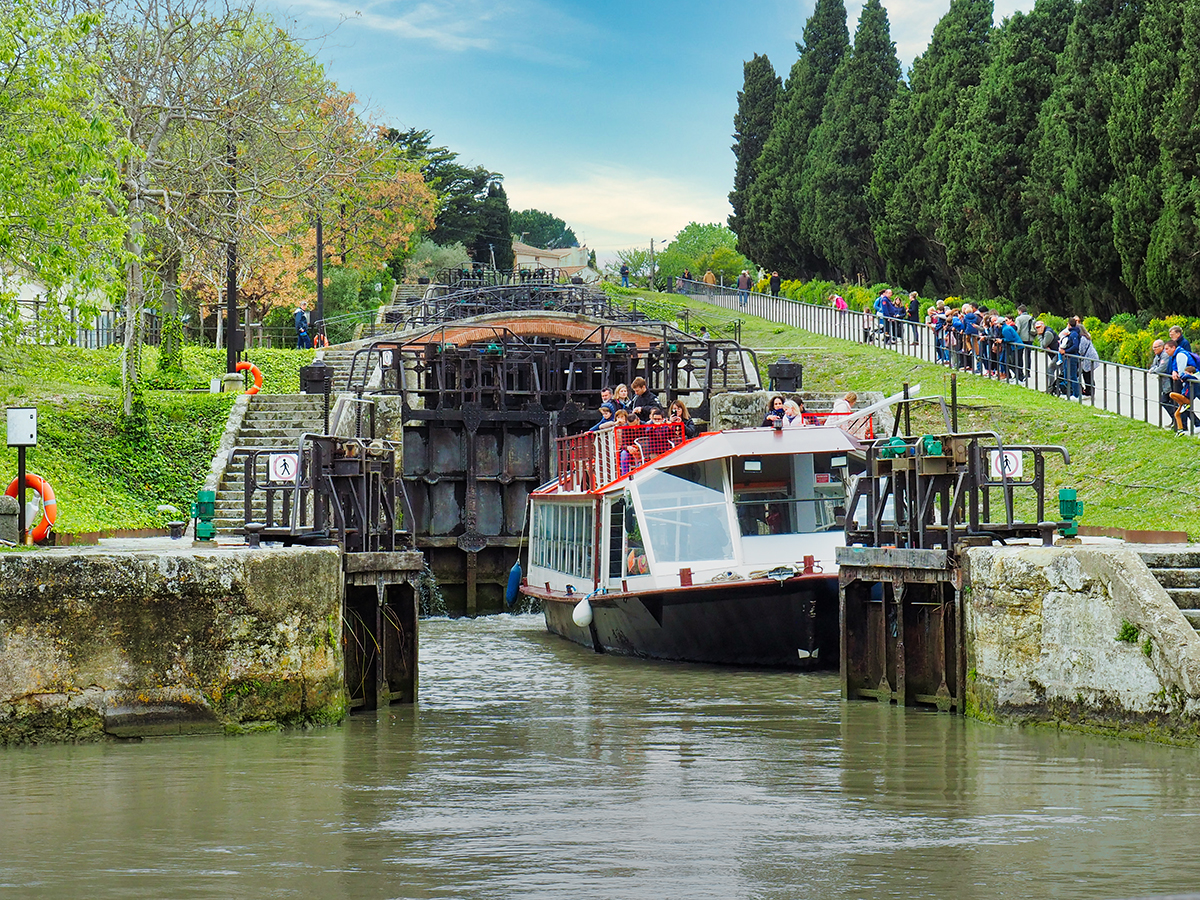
(1044, 629)
(189, 641)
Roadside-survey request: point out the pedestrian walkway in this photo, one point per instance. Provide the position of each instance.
(1119, 389)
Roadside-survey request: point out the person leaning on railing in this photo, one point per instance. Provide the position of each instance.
(678, 414)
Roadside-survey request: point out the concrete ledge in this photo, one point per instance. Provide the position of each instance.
(99, 643)
(1042, 627)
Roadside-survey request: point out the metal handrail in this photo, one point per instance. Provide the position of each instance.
(1119, 389)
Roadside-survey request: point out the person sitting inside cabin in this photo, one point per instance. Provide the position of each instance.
(678, 414)
(774, 416)
(793, 414)
(606, 419)
(643, 401)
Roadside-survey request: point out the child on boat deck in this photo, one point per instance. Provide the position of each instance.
(606, 418)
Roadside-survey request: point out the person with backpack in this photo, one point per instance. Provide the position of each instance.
(1183, 370)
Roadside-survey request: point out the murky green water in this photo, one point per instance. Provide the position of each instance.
(533, 768)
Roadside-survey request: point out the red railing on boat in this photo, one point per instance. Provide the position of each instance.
(862, 428)
(593, 459)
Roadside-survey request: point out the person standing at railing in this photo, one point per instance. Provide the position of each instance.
(914, 317)
(1013, 349)
(1024, 326)
(743, 288)
(1160, 365)
(775, 283)
(679, 415)
(1182, 368)
(868, 324)
(710, 279)
(1069, 348)
(606, 419)
(643, 401)
(1088, 360)
(1048, 341)
(1175, 333)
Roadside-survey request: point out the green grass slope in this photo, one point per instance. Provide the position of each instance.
(109, 472)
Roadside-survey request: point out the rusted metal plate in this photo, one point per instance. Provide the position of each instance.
(893, 557)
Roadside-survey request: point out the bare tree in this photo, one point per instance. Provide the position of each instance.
(221, 115)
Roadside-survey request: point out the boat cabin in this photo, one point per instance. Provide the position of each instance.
(639, 508)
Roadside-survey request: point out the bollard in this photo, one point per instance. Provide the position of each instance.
(9, 529)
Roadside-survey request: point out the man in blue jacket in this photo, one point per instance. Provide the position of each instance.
(1070, 355)
(1013, 349)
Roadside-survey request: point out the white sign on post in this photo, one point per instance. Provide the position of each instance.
(22, 427)
(1007, 462)
(282, 466)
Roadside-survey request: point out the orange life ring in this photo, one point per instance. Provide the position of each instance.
(254, 373)
(320, 341)
(49, 504)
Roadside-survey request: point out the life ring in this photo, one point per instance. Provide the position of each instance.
(254, 373)
(320, 341)
(49, 505)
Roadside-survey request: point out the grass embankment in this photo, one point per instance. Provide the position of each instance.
(109, 472)
(1128, 474)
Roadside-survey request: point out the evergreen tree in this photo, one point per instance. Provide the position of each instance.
(774, 193)
(752, 126)
(1172, 266)
(1070, 222)
(541, 229)
(1136, 127)
(912, 172)
(983, 226)
(495, 229)
(843, 146)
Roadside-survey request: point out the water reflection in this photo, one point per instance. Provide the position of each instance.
(534, 768)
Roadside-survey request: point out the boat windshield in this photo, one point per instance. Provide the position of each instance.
(685, 513)
(797, 494)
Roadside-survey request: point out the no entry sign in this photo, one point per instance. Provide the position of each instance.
(1007, 462)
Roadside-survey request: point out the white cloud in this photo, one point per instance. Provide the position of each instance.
(612, 209)
(459, 25)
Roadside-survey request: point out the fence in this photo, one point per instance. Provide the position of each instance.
(1118, 389)
(102, 330)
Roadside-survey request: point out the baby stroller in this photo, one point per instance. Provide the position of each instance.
(1056, 378)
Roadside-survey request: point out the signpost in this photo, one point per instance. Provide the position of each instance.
(22, 433)
(1009, 463)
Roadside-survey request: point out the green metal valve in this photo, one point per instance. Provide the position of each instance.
(1069, 509)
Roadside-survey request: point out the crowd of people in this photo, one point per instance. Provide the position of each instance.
(976, 339)
(620, 406)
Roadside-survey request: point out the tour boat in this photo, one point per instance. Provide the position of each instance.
(719, 549)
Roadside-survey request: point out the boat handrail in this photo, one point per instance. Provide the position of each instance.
(593, 459)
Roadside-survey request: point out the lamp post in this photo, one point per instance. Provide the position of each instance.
(650, 286)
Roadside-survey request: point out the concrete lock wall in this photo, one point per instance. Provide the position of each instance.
(190, 641)
(1044, 629)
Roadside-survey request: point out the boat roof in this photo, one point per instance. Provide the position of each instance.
(747, 442)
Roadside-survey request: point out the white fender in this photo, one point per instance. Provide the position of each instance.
(582, 614)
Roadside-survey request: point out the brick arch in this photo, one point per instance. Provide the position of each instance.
(542, 327)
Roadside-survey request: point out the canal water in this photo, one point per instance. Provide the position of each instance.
(534, 768)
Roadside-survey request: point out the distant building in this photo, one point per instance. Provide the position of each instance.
(569, 261)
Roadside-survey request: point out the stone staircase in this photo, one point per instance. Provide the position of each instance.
(339, 357)
(270, 421)
(1178, 571)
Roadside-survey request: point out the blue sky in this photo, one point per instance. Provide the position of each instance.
(615, 116)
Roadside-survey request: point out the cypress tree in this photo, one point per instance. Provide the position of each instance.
(983, 225)
(1136, 128)
(752, 126)
(1172, 266)
(1070, 221)
(495, 229)
(911, 174)
(843, 146)
(774, 194)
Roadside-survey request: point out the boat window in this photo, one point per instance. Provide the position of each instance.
(562, 538)
(686, 516)
(626, 550)
(796, 494)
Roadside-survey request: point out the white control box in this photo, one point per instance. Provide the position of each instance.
(22, 427)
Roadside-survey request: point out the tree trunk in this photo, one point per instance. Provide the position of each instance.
(131, 351)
